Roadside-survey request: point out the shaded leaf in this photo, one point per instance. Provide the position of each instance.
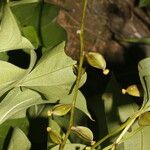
(52, 33)
(28, 14)
(138, 40)
(18, 137)
(4, 56)
(5, 127)
(30, 33)
(144, 73)
(144, 3)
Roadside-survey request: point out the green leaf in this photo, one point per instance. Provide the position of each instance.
(10, 36)
(9, 75)
(70, 147)
(30, 33)
(138, 40)
(16, 101)
(123, 105)
(144, 3)
(5, 127)
(144, 73)
(53, 75)
(138, 141)
(52, 33)
(20, 2)
(80, 102)
(19, 140)
(4, 56)
(28, 14)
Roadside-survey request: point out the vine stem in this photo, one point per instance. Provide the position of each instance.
(124, 128)
(110, 135)
(79, 76)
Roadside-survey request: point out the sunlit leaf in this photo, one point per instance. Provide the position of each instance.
(10, 35)
(80, 103)
(16, 101)
(53, 75)
(9, 75)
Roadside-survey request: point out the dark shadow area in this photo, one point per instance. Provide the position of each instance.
(92, 90)
(22, 59)
(126, 73)
(38, 134)
(19, 58)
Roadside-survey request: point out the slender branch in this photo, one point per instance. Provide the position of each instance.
(125, 138)
(110, 135)
(123, 127)
(131, 122)
(78, 79)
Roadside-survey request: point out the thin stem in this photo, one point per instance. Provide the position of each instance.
(131, 121)
(125, 138)
(110, 135)
(123, 127)
(78, 79)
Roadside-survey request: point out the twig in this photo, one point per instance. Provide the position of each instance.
(110, 135)
(78, 79)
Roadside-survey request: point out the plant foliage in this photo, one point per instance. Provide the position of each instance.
(49, 88)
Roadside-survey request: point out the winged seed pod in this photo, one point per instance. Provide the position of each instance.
(97, 60)
(55, 137)
(144, 119)
(83, 132)
(132, 90)
(61, 109)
